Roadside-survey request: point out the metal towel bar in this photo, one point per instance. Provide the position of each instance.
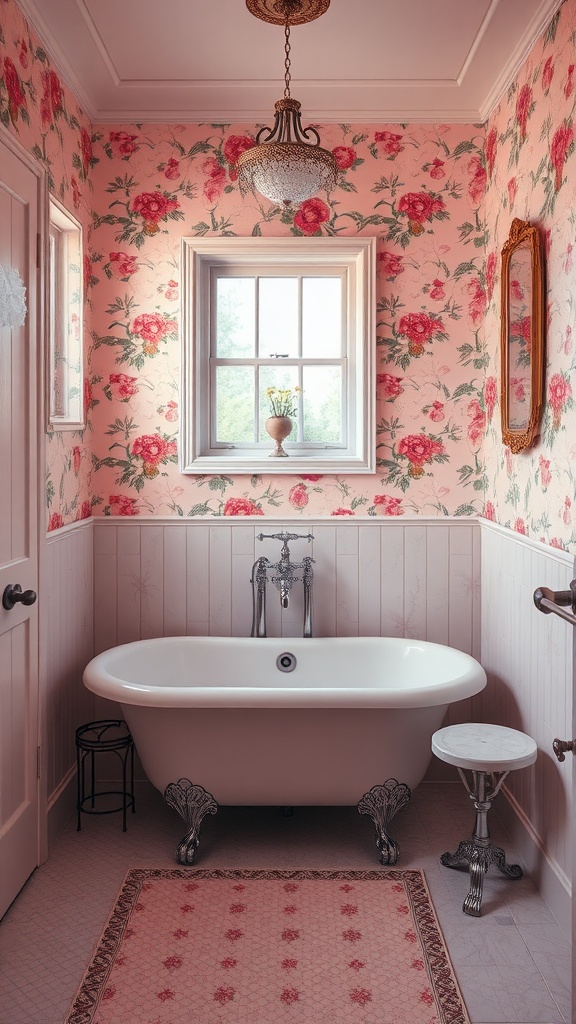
(557, 601)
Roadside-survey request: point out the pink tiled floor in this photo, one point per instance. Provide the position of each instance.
(513, 964)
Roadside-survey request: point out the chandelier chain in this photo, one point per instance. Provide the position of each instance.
(287, 59)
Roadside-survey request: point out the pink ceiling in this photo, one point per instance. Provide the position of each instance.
(364, 60)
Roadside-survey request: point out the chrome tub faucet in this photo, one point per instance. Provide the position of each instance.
(283, 579)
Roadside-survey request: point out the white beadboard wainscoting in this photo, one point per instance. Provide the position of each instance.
(66, 645)
(528, 659)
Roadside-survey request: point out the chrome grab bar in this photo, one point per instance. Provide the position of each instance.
(557, 601)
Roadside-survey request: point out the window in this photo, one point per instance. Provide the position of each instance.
(288, 314)
(65, 341)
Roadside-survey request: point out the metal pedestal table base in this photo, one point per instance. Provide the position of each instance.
(382, 803)
(192, 803)
(478, 853)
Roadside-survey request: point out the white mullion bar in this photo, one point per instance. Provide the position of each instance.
(300, 363)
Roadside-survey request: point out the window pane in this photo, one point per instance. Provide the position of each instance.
(278, 316)
(322, 397)
(234, 404)
(321, 317)
(235, 304)
(282, 378)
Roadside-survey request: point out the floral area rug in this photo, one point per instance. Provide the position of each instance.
(267, 947)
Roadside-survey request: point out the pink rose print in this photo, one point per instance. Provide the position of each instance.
(490, 511)
(153, 207)
(241, 507)
(490, 273)
(490, 148)
(290, 995)
(437, 169)
(361, 996)
(187, 908)
(87, 271)
(437, 413)
(351, 935)
(547, 74)
(561, 146)
(390, 506)
(344, 157)
(152, 328)
(153, 449)
(437, 289)
(477, 424)
(52, 101)
(85, 511)
(342, 512)
(312, 213)
(490, 395)
(420, 207)
(233, 934)
(215, 180)
(290, 909)
(557, 543)
(389, 387)
(523, 109)
(357, 965)
(477, 184)
(569, 86)
(121, 505)
(234, 146)
(418, 965)
(559, 393)
(313, 477)
(23, 55)
(171, 413)
(477, 304)
(545, 474)
(512, 189)
(166, 994)
(181, 933)
(109, 993)
(346, 887)
(122, 264)
(86, 151)
(402, 910)
(290, 935)
(122, 145)
(16, 97)
(520, 526)
(87, 395)
(298, 496)
(388, 143)
(237, 908)
(289, 965)
(419, 328)
(427, 997)
(224, 995)
(171, 169)
(418, 449)
(349, 909)
(122, 387)
(290, 887)
(389, 264)
(228, 963)
(567, 513)
(171, 290)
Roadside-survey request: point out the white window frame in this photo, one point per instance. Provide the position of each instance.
(358, 257)
(65, 403)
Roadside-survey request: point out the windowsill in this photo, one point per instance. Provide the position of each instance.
(269, 465)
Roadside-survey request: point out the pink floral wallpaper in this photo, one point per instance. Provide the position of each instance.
(418, 189)
(531, 168)
(439, 199)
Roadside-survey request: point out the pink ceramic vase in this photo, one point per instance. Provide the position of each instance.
(278, 427)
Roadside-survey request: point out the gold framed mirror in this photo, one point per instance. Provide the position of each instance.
(522, 335)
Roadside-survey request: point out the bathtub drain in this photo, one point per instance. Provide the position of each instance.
(286, 662)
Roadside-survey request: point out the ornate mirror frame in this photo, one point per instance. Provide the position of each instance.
(522, 336)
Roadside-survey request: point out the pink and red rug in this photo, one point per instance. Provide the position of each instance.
(267, 947)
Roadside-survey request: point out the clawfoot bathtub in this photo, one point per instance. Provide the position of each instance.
(284, 722)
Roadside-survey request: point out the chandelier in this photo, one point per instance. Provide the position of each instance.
(287, 165)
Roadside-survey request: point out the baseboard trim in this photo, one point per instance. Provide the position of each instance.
(61, 805)
(554, 886)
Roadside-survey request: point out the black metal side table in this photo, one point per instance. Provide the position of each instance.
(106, 736)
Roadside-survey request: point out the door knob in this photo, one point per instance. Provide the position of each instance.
(560, 748)
(13, 594)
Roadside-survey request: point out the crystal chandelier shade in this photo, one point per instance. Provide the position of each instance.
(287, 165)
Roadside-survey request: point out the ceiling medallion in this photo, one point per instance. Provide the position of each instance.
(287, 164)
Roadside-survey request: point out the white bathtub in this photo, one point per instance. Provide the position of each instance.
(217, 711)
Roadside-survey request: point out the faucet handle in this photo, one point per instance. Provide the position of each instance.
(285, 536)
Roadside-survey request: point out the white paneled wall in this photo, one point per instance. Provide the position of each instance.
(66, 644)
(528, 658)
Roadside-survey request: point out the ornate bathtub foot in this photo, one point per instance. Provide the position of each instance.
(382, 803)
(192, 802)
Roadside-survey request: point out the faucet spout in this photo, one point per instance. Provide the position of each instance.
(258, 581)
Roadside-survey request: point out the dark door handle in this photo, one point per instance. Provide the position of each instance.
(13, 594)
(561, 747)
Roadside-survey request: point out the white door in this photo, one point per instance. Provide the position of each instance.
(19, 227)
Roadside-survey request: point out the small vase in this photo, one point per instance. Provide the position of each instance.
(278, 427)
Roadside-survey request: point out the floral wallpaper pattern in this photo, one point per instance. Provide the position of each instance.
(439, 199)
(531, 169)
(417, 189)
